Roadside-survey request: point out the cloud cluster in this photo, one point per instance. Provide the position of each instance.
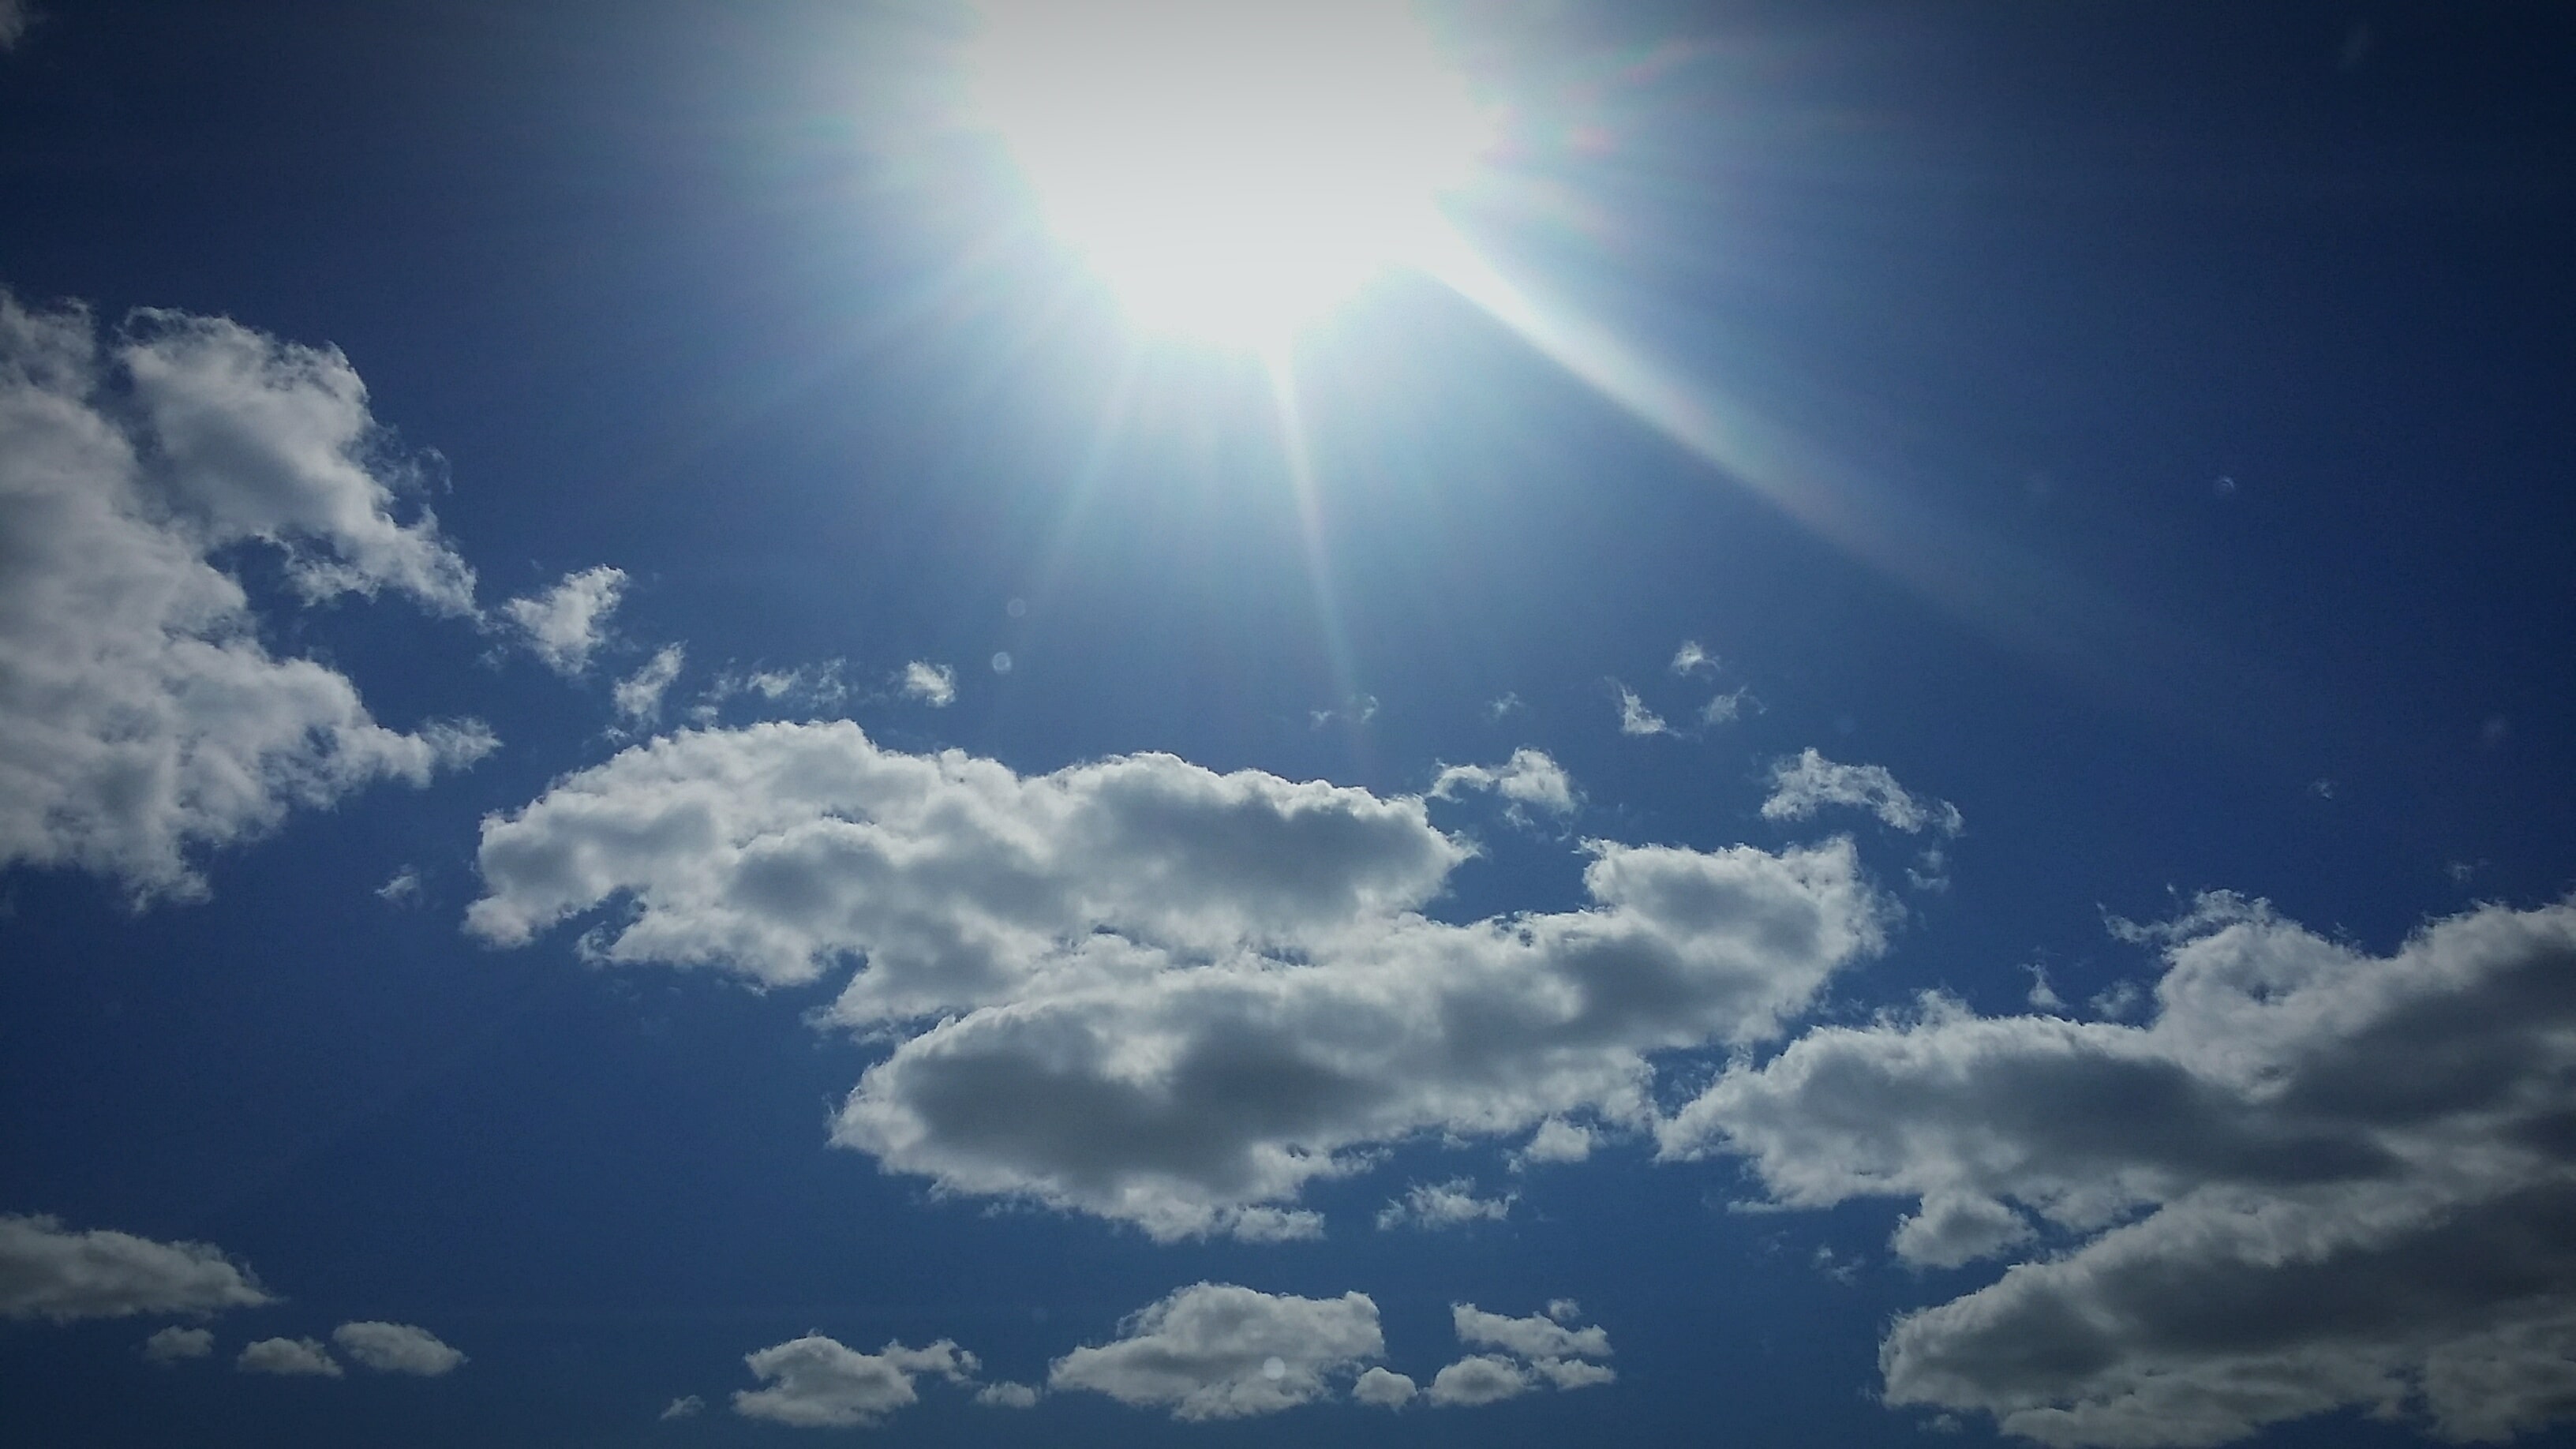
(1443, 1205)
(1144, 990)
(563, 625)
(1536, 1351)
(816, 1382)
(141, 716)
(1529, 777)
(1806, 783)
(51, 1273)
(1217, 1351)
(2313, 1178)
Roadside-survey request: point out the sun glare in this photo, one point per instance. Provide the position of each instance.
(1231, 169)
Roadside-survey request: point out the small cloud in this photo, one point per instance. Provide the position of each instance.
(1359, 709)
(16, 18)
(818, 1383)
(1443, 1205)
(1692, 659)
(565, 623)
(58, 1275)
(171, 1345)
(2043, 997)
(2321, 789)
(1725, 708)
(1383, 1388)
(2118, 1002)
(1556, 1140)
(1529, 777)
(289, 1357)
(1483, 1378)
(1219, 1351)
(1930, 870)
(403, 889)
(1270, 1225)
(687, 1406)
(1007, 1395)
(1634, 717)
(638, 697)
(397, 1348)
(933, 684)
(1841, 1270)
(1800, 785)
(1509, 704)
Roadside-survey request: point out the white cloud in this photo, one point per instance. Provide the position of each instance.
(16, 17)
(1483, 1378)
(1556, 1140)
(808, 690)
(933, 684)
(141, 717)
(1509, 703)
(638, 697)
(565, 623)
(402, 888)
(818, 1383)
(1535, 1337)
(1635, 718)
(396, 1348)
(687, 1406)
(1007, 1395)
(1382, 1388)
(1443, 1205)
(290, 1358)
(2312, 1179)
(1529, 777)
(1217, 1351)
(1146, 991)
(170, 1345)
(1802, 785)
(1724, 708)
(1692, 659)
(47, 1272)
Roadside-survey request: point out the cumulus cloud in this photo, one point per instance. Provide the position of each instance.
(1483, 1378)
(565, 623)
(1007, 1395)
(933, 684)
(1382, 1388)
(1144, 990)
(1556, 1140)
(1217, 1351)
(1801, 786)
(1542, 1348)
(1535, 1337)
(2312, 1178)
(687, 1406)
(171, 1345)
(638, 697)
(1634, 717)
(51, 1273)
(1443, 1205)
(396, 1348)
(818, 1383)
(142, 718)
(289, 1358)
(1529, 777)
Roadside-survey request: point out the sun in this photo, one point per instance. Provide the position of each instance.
(1232, 169)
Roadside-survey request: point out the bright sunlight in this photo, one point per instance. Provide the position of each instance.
(1231, 170)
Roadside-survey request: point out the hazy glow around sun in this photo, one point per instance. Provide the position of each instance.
(1231, 168)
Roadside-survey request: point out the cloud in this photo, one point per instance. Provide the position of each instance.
(1443, 1205)
(638, 697)
(402, 888)
(1724, 708)
(16, 18)
(1535, 1337)
(933, 684)
(1483, 1378)
(1217, 1351)
(687, 1406)
(1007, 1395)
(1382, 1388)
(1801, 785)
(49, 1273)
(396, 1348)
(1692, 659)
(565, 623)
(170, 1345)
(807, 689)
(1146, 991)
(142, 718)
(2313, 1178)
(1556, 1140)
(289, 1358)
(817, 1383)
(1529, 777)
(1634, 717)
(1546, 1350)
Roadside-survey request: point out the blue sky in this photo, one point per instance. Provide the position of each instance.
(1891, 767)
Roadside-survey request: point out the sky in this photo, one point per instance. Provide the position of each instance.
(1152, 723)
